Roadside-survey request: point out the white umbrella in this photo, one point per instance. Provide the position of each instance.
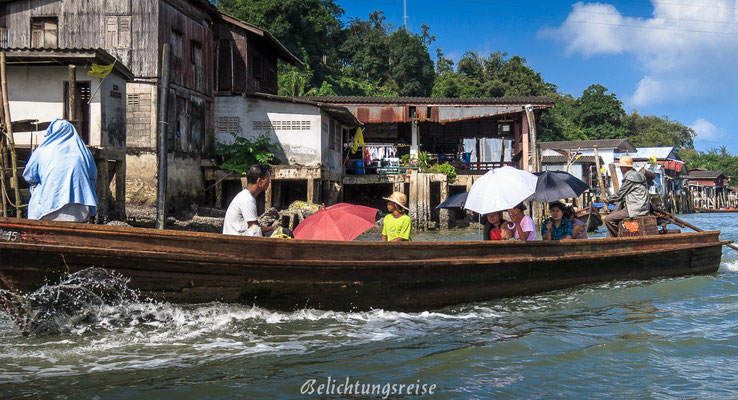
(501, 189)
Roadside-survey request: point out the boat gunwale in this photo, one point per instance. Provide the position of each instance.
(70, 227)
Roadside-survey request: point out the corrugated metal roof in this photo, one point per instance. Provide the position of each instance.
(705, 174)
(644, 153)
(564, 160)
(342, 114)
(606, 144)
(63, 56)
(539, 101)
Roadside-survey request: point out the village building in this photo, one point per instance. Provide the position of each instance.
(39, 82)
(583, 167)
(710, 189)
(473, 135)
(608, 150)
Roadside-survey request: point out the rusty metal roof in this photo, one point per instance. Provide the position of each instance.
(64, 56)
(540, 101)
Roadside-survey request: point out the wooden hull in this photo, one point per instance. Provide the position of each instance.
(592, 220)
(290, 274)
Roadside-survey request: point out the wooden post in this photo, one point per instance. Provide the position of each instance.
(443, 214)
(3, 190)
(103, 186)
(120, 188)
(9, 135)
(599, 175)
(268, 203)
(311, 190)
(614, 174)
(526, 144)
(72, 97)
(162, 151)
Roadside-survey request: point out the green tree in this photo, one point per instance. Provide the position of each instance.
(410, 64)
(363, 49)
(443, 64)
(600, 114)
(653, 131)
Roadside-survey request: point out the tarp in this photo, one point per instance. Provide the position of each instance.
(60, 171)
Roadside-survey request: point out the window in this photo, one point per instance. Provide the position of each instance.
(256, 66)
(44, 32)
(4, 37)
(230, 124)
(133, 99)
(197, 66)
(281, 125)
(177, 56)
(118, 32)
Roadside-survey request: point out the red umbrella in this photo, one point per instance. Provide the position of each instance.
(341, 221)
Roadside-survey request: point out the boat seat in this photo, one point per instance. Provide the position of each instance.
(639, 226)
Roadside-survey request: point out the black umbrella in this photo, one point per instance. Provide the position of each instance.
(455, 201)
(557, 185)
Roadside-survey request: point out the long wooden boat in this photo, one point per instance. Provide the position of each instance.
(288, 274)
(590, 217)
(712, 210)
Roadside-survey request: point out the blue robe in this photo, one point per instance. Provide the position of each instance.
(60, 171)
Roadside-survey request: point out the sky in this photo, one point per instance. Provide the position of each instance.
(674, 58)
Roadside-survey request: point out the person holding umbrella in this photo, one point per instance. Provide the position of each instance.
(397, 225)
(522, 226)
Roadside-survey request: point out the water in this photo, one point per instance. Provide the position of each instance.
(663, 338)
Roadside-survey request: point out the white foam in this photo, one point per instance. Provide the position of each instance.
(730, 265)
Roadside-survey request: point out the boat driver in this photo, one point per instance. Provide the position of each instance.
(634, 191)
(241, 218)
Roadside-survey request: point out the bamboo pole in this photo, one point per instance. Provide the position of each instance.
(3, 165)
(9, 135)
(599, 175)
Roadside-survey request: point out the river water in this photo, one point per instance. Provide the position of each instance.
(661, 338)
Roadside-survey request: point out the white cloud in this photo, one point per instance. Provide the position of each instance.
(706, 130)
(687, 51)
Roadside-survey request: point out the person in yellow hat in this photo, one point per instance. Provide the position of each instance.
(397, 225)
(633, 191)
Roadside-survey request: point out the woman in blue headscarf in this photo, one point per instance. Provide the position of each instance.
(62, 173)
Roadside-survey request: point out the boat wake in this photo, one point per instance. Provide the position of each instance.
(54, 309)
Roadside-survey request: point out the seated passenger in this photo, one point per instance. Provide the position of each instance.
(578, 228)
(556, 227)
(521, 225)
(494, 227)
(62, 175)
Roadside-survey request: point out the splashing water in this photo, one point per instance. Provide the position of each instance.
(54, 309)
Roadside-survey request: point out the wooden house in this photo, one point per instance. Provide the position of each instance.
(710, 189)
(39, 92)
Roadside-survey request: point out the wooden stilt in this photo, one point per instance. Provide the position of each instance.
(9, 135)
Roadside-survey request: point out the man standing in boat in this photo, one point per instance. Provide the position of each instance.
(397, 225)
(634, 191)
(241, 218)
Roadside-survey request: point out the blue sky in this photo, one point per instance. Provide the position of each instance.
(674, 58)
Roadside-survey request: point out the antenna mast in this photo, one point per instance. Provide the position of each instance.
(404, 13)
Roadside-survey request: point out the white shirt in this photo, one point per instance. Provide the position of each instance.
(241, 211)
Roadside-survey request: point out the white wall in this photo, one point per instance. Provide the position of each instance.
(37, 92)
(299, 146)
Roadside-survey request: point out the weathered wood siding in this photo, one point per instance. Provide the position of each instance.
(237, 49)
(125, 29)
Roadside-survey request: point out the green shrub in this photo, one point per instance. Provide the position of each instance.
(243, 152)
(447, 169)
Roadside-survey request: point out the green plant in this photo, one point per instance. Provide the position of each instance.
(424, 159)
(243, 152)
(447, 169)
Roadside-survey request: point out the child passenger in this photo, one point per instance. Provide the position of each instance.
(397, 225)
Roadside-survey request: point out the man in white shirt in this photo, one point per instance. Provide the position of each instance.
(241, 218)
